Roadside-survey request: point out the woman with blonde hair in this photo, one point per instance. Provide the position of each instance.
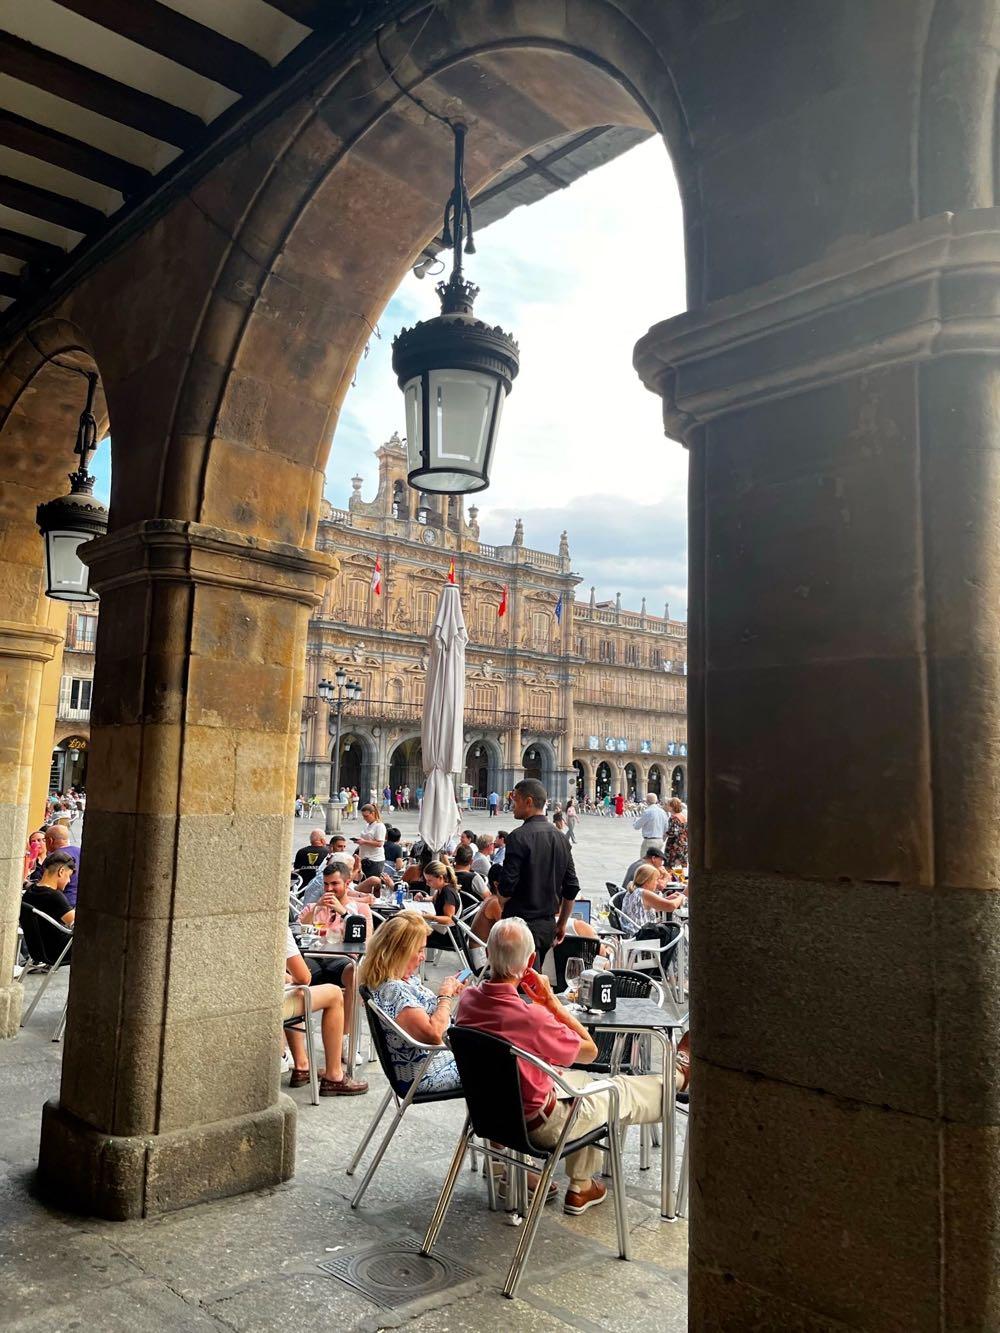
(390, 972)
(642, 901)
(441, 886)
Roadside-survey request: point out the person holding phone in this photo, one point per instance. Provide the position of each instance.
(390, 969)
(549, 1030)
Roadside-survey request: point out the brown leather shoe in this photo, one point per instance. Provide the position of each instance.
(344, 1087)
(300, 1077)
(578, 1201)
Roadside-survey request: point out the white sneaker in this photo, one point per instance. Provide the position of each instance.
(287, 1063)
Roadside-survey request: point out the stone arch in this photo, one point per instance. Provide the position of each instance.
(299, 288)
(405, 768)
(358, 761)
(483, 771)
(538, 761)
(655, 781)
(631, 779)
(584, 778)
(604, 780)
(678, 781)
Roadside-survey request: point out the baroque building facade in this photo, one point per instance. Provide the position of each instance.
(71, 741)
(592, 701)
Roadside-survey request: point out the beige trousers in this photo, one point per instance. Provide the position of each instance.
(640, 1102)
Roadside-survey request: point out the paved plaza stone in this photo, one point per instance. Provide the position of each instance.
(252, 1262)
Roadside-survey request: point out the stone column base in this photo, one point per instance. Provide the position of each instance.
(11, 999)
(118, 1178)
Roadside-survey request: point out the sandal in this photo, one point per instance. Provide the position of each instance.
(300, 1077)
(342, 1087)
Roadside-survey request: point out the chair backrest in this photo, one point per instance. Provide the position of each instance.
(632, 985)
(376, 1026)
(615, 919)
(470, 903)
(44, 937)
(491, 1082)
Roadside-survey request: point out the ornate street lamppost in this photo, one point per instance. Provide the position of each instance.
(69, 521)
(337, 693)
(454, 370)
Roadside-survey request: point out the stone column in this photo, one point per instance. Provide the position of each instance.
(845, 763)
(169, 1089)
(24, 650)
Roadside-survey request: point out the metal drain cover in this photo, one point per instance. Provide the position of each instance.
(394, 1273)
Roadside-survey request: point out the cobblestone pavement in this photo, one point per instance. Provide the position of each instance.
(251, 1263)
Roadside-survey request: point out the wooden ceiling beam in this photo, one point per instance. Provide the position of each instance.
(310, 13)
(49, 206)
(181, 39)
(84, 87)
(32, 251)
(60, 150)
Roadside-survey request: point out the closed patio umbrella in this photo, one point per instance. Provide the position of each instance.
(441, 730)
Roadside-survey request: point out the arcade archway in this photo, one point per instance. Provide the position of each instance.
(405, 767)
(654, 780)
(482, 768)
(603, 781)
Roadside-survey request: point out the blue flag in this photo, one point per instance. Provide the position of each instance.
(558, 610)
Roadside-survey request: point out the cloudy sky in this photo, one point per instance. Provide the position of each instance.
(577, 279)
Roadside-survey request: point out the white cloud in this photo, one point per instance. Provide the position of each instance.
(577, 278)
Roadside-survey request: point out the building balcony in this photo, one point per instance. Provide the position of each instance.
(67, 714)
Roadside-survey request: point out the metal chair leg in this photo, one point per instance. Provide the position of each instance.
(532, 1218)
(44, 983)
(61, 1025)
(682, 1185)
(491, 1184)
(373, 1165)
(310, 1048)
(370, 1133)
(447, 1189)
(618, 1185)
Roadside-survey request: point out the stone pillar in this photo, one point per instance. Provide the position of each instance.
(844, 723)
(24, 650)
(169, 1089)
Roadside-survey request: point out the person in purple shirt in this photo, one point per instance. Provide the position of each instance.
(57, 840)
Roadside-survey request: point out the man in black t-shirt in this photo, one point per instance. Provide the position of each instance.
(539, 878)
(311, 858)
(48, 895)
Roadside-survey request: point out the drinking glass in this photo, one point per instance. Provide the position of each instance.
(574, 967)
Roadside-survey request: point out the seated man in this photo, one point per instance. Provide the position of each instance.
(57, 839)
(310, 858)
(499, 847)
(481, 861)
(550, 1031)
(395, 861)
(654, 857)
(330, 1001)
(48, 894)
(468, 880)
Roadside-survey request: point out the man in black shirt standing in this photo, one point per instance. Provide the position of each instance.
(539, 877)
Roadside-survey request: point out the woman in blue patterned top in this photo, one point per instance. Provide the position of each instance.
(390, 971)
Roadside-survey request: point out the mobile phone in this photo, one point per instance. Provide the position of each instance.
(465, 975)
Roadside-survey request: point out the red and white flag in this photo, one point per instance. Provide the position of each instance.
(377, 577)
(502, 608)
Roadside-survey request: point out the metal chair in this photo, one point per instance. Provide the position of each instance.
(651, 943)
(303, 1023)
(488, 1067)
(34, 942)
(404, 1095)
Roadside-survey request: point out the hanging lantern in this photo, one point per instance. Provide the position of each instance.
(69, 521)
(454, 370)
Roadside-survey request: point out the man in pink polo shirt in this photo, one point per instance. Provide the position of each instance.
(547, 1029)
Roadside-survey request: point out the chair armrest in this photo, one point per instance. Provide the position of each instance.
(382, 1017)
(66, 930)
(467, 930)
(599, 1085)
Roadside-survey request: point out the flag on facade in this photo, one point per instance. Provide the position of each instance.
(558, 610)
(502, 608)
(451, 571)
(377, 577)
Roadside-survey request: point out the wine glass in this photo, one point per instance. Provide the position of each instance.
(574, 968)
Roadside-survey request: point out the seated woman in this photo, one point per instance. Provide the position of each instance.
(492, 907)
(441, 887)
(389, 970)
(643, 901)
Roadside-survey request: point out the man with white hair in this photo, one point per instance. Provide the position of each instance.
(547, 1029)
(652, 823)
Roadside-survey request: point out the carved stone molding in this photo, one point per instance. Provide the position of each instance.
(33, 643)
(179, 551)
(928, 289)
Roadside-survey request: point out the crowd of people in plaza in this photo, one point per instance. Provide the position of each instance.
(514, 893)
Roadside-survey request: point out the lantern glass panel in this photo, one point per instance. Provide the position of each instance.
(68, 576)
(461, 413)
(413, 401)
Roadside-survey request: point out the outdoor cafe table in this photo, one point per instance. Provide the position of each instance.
(340, 949)
(633, 1017)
